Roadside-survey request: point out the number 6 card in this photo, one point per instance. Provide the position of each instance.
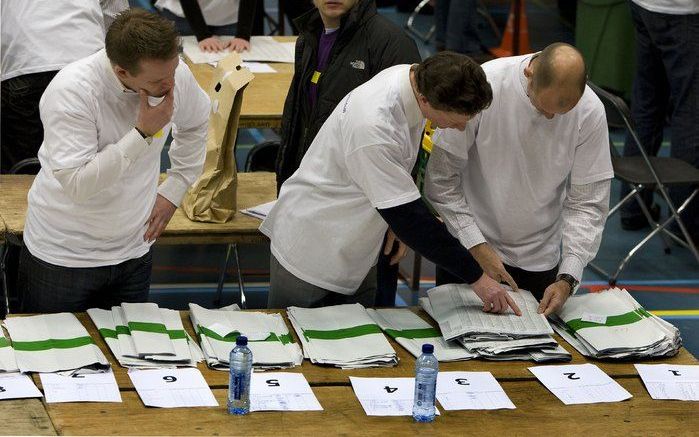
(171, 388)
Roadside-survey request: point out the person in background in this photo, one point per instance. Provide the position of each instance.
(95, 208)
(209, 19)
(525, 187)
(342, 44)
(666, 85)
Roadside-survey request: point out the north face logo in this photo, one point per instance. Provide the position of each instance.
(358, 64)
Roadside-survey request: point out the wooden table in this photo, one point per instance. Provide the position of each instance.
(263, 98)
(253, 189)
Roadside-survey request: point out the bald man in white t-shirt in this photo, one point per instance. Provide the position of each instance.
(526, 184)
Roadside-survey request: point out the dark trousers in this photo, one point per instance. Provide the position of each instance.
(536, 282)
(48, 288)
(386, 281)
(456, 25)
(183, 27)
(666, 84)
(21, 128)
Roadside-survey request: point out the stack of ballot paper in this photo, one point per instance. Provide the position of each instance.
(8, 363)
(269, 338)
(141, 335)
(611, 324)
(411, 332)
(344, 336)
(458, 311)
(262, 48)
(53, 343)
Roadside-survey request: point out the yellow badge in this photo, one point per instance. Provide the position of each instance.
(315, 77)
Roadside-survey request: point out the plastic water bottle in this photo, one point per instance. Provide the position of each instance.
(239, 381)
(426, 369)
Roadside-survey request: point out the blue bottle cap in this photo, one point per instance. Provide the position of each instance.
(426, 348)
(241, 340)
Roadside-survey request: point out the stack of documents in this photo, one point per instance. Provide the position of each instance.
(53, 343)
(411, 332)
(269, 338)
(611, 324)
(141, 335)
(8, 363)
(344, 336)
(262, 49)
(458, 311)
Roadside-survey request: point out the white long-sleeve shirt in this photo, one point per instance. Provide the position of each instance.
(89, 204)
(522, 183)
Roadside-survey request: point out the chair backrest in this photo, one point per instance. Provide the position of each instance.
(262, 157)
(26, 166)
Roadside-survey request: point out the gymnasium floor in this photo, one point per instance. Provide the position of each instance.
(667, 285)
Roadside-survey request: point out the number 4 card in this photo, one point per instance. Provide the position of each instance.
(580, 384)
(385, 396)
(171, 388)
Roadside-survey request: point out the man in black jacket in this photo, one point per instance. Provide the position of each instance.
(342, 44)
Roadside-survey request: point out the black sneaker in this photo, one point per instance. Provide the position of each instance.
(639, 221)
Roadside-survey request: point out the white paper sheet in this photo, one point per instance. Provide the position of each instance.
(385, 396)
(262, 48)
(471, 391)
(580, 384)
(17, 386)
(260, 211)
(93, 387)
(668, 381)
(172, 388)
(281, 392)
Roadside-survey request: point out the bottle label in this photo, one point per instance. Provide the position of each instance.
(238, 386)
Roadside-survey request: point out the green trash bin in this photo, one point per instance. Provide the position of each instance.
(605, 35)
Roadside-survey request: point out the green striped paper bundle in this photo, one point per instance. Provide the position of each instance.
(611, 324)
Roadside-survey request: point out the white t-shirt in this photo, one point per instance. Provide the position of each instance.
(519, 165)
(325, 228)
(672, 7)
(46, 35)
(87, 113)
(215, 12)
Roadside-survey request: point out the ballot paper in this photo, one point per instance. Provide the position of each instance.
(8, 363)
(411, 332)
(172, 388)
(52, 343)
(281, 392)
(262, 49)
(260, 211)
(580, 384)
(93, 387)
(258, 67)
(471, 391)
(670, 381)
(147, 329)
(17, 386)
(385, 396)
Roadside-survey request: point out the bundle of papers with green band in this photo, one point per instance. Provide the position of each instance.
(411, 332)
(459, 313)
(611, 324)
(141, 335)
(53, 343)
(269, 339)
(8, 363)
(342, 335)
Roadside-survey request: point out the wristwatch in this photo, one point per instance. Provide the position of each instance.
(570, 280)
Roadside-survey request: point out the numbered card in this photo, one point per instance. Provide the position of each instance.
(172, 388)
(385, 396)
(668, 381)
(281, 392)
(17, 386)
(471, 391)
(580, 384)
(90, 387)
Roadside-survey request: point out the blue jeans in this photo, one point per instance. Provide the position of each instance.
(48, 288)
(183, 27)
(666, 84)
(456, 26)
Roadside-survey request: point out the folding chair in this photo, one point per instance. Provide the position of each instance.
(652, 172)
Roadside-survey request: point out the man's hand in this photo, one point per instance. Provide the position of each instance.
(151, 119)
(238, 44)
(495, 298)
(555, 297)
(491, 264)
(159, 218)
(400, 253)
(213, 44)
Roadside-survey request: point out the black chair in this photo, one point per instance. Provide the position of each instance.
(262, 157)
(645, 171)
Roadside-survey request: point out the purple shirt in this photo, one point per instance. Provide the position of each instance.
(324, 46)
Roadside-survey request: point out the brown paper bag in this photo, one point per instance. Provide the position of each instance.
(212, 198)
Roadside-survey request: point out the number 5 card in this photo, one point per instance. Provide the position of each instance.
(580, 384)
